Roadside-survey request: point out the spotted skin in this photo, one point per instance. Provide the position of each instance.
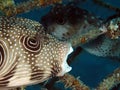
(69, 21)
(28, 55)
(106, 45)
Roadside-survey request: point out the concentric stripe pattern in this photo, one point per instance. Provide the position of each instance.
(30, 44)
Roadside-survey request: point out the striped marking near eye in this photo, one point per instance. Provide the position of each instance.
(31, 44)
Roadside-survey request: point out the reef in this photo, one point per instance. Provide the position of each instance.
(110, 81)
(9, 8)
(74, 83)
(109, 28)
(107, 5)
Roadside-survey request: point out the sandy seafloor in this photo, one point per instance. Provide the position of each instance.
(91, 69)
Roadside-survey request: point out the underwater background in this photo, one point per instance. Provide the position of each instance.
(89, 68)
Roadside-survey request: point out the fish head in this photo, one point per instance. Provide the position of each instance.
(65, 68)
(66, 21)
(55, 55)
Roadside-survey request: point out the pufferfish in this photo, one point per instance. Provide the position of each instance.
(66, 21)
(28, 55)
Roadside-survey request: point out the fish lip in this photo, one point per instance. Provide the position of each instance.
(65, 68)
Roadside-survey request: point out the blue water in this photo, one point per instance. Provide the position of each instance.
(89, 68)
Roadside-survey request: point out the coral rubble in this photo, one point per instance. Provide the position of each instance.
(110, 81)
(11, 9)
(72, 82)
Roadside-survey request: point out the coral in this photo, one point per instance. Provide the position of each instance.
(76, 84)
(110, 81)
(72, 82)
(13, 10)
(20, 88)
(113, 28)
(107, 5)
(4, 4)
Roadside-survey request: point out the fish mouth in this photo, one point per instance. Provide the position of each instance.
(65, 68)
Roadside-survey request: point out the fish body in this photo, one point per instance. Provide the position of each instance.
(106, 45)
(77, 22)
(103, 46)
(68, 21)
(28, 55)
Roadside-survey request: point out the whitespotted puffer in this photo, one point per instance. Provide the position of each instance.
(28, 55)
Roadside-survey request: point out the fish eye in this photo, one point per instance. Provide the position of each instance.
(60, 21)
